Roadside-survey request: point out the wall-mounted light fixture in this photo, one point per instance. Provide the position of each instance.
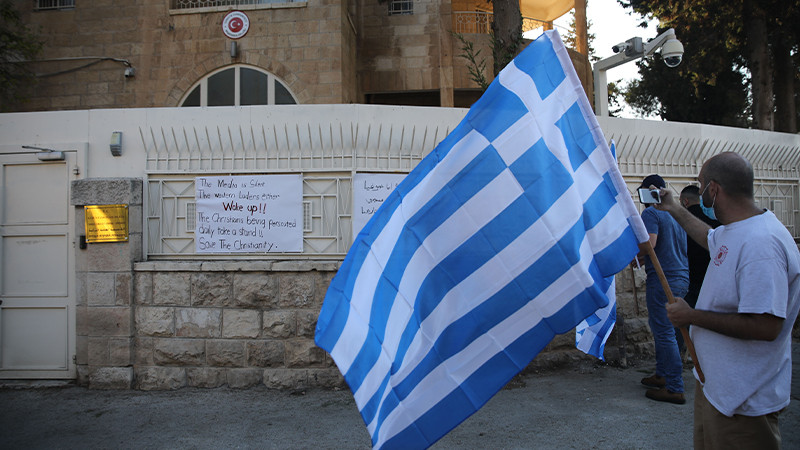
(116, 143)
(234, 49)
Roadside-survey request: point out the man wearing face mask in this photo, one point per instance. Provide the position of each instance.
(697, 253)
(742, 324)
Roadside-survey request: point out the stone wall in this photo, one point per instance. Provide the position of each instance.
(236, 324)
(630, 341)
(302, 43)
(324, 51)
(399, 52)
(104, 278)
(246, 323)
(156, 325)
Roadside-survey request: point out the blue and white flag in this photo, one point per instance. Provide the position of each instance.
(501, 238)
(591, 334)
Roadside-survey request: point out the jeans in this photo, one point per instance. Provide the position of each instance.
(668, 358)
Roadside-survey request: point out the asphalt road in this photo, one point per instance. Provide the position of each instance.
(590, 406)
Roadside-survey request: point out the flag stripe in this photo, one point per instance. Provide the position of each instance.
(420, 257)
(367, 270)
(553, 181)
(462, 139)
(566, 290)
(536, 237)
(591, 334)
(532, 270)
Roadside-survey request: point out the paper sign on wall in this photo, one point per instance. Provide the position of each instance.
(369, 192)
(249, 214)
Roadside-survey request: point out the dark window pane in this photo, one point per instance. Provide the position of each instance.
(401, 7)
(221, 88)
(253, 86)
(193, 99)
(282, 95)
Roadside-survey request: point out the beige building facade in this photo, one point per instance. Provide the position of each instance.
(169, 53)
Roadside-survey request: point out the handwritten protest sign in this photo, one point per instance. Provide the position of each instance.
(369, 192)
(249, 214)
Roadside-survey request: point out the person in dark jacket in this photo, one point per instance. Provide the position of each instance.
(697, 254)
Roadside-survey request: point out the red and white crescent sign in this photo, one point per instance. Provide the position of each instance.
(235, 24)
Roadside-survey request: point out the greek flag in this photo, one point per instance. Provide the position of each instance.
(591, 334)
(504, 236)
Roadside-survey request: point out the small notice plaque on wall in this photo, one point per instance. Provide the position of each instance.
(106, 223)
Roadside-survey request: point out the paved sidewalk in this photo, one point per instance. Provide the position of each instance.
(592, 406)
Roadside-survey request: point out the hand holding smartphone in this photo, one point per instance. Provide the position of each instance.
(647, 196)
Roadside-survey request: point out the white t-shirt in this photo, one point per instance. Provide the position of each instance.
(754, 268)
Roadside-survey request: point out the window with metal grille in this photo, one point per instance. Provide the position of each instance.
(239, 86)
(398, 7)
(54, 4)
(195, 4)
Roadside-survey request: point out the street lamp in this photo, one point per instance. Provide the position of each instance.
(632, 49)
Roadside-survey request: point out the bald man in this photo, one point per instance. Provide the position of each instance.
(742, 323)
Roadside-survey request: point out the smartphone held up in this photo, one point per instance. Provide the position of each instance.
(647, 196)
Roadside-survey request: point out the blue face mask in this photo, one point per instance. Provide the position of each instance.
(706, 210)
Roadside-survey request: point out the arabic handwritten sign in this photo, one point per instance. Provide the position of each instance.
(369, 192)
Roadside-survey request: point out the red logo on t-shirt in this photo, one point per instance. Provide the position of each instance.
(723, 251)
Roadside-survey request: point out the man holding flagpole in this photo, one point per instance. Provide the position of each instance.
(749, 301)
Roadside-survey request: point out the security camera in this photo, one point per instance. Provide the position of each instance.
(672, 52)
(619, 47)
(631, 47)
(130, 72)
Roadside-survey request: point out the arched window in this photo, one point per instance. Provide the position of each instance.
(239, 86)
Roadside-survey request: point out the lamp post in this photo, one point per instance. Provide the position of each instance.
(630, 50)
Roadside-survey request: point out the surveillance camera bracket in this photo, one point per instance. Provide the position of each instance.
(631, 52)
(654, 44)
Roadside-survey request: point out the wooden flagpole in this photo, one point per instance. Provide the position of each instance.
(645, 246)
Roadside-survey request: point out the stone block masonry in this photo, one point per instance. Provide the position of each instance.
(246, 323)
(236, 324)
(157, 325)
(104, 310)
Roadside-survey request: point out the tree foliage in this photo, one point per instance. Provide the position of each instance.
(505, 42)
(571, 38)
(476, 65)
(17, 44)
(674, 96)
(741, 49)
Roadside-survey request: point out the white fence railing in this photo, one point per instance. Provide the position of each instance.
(330, 144)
